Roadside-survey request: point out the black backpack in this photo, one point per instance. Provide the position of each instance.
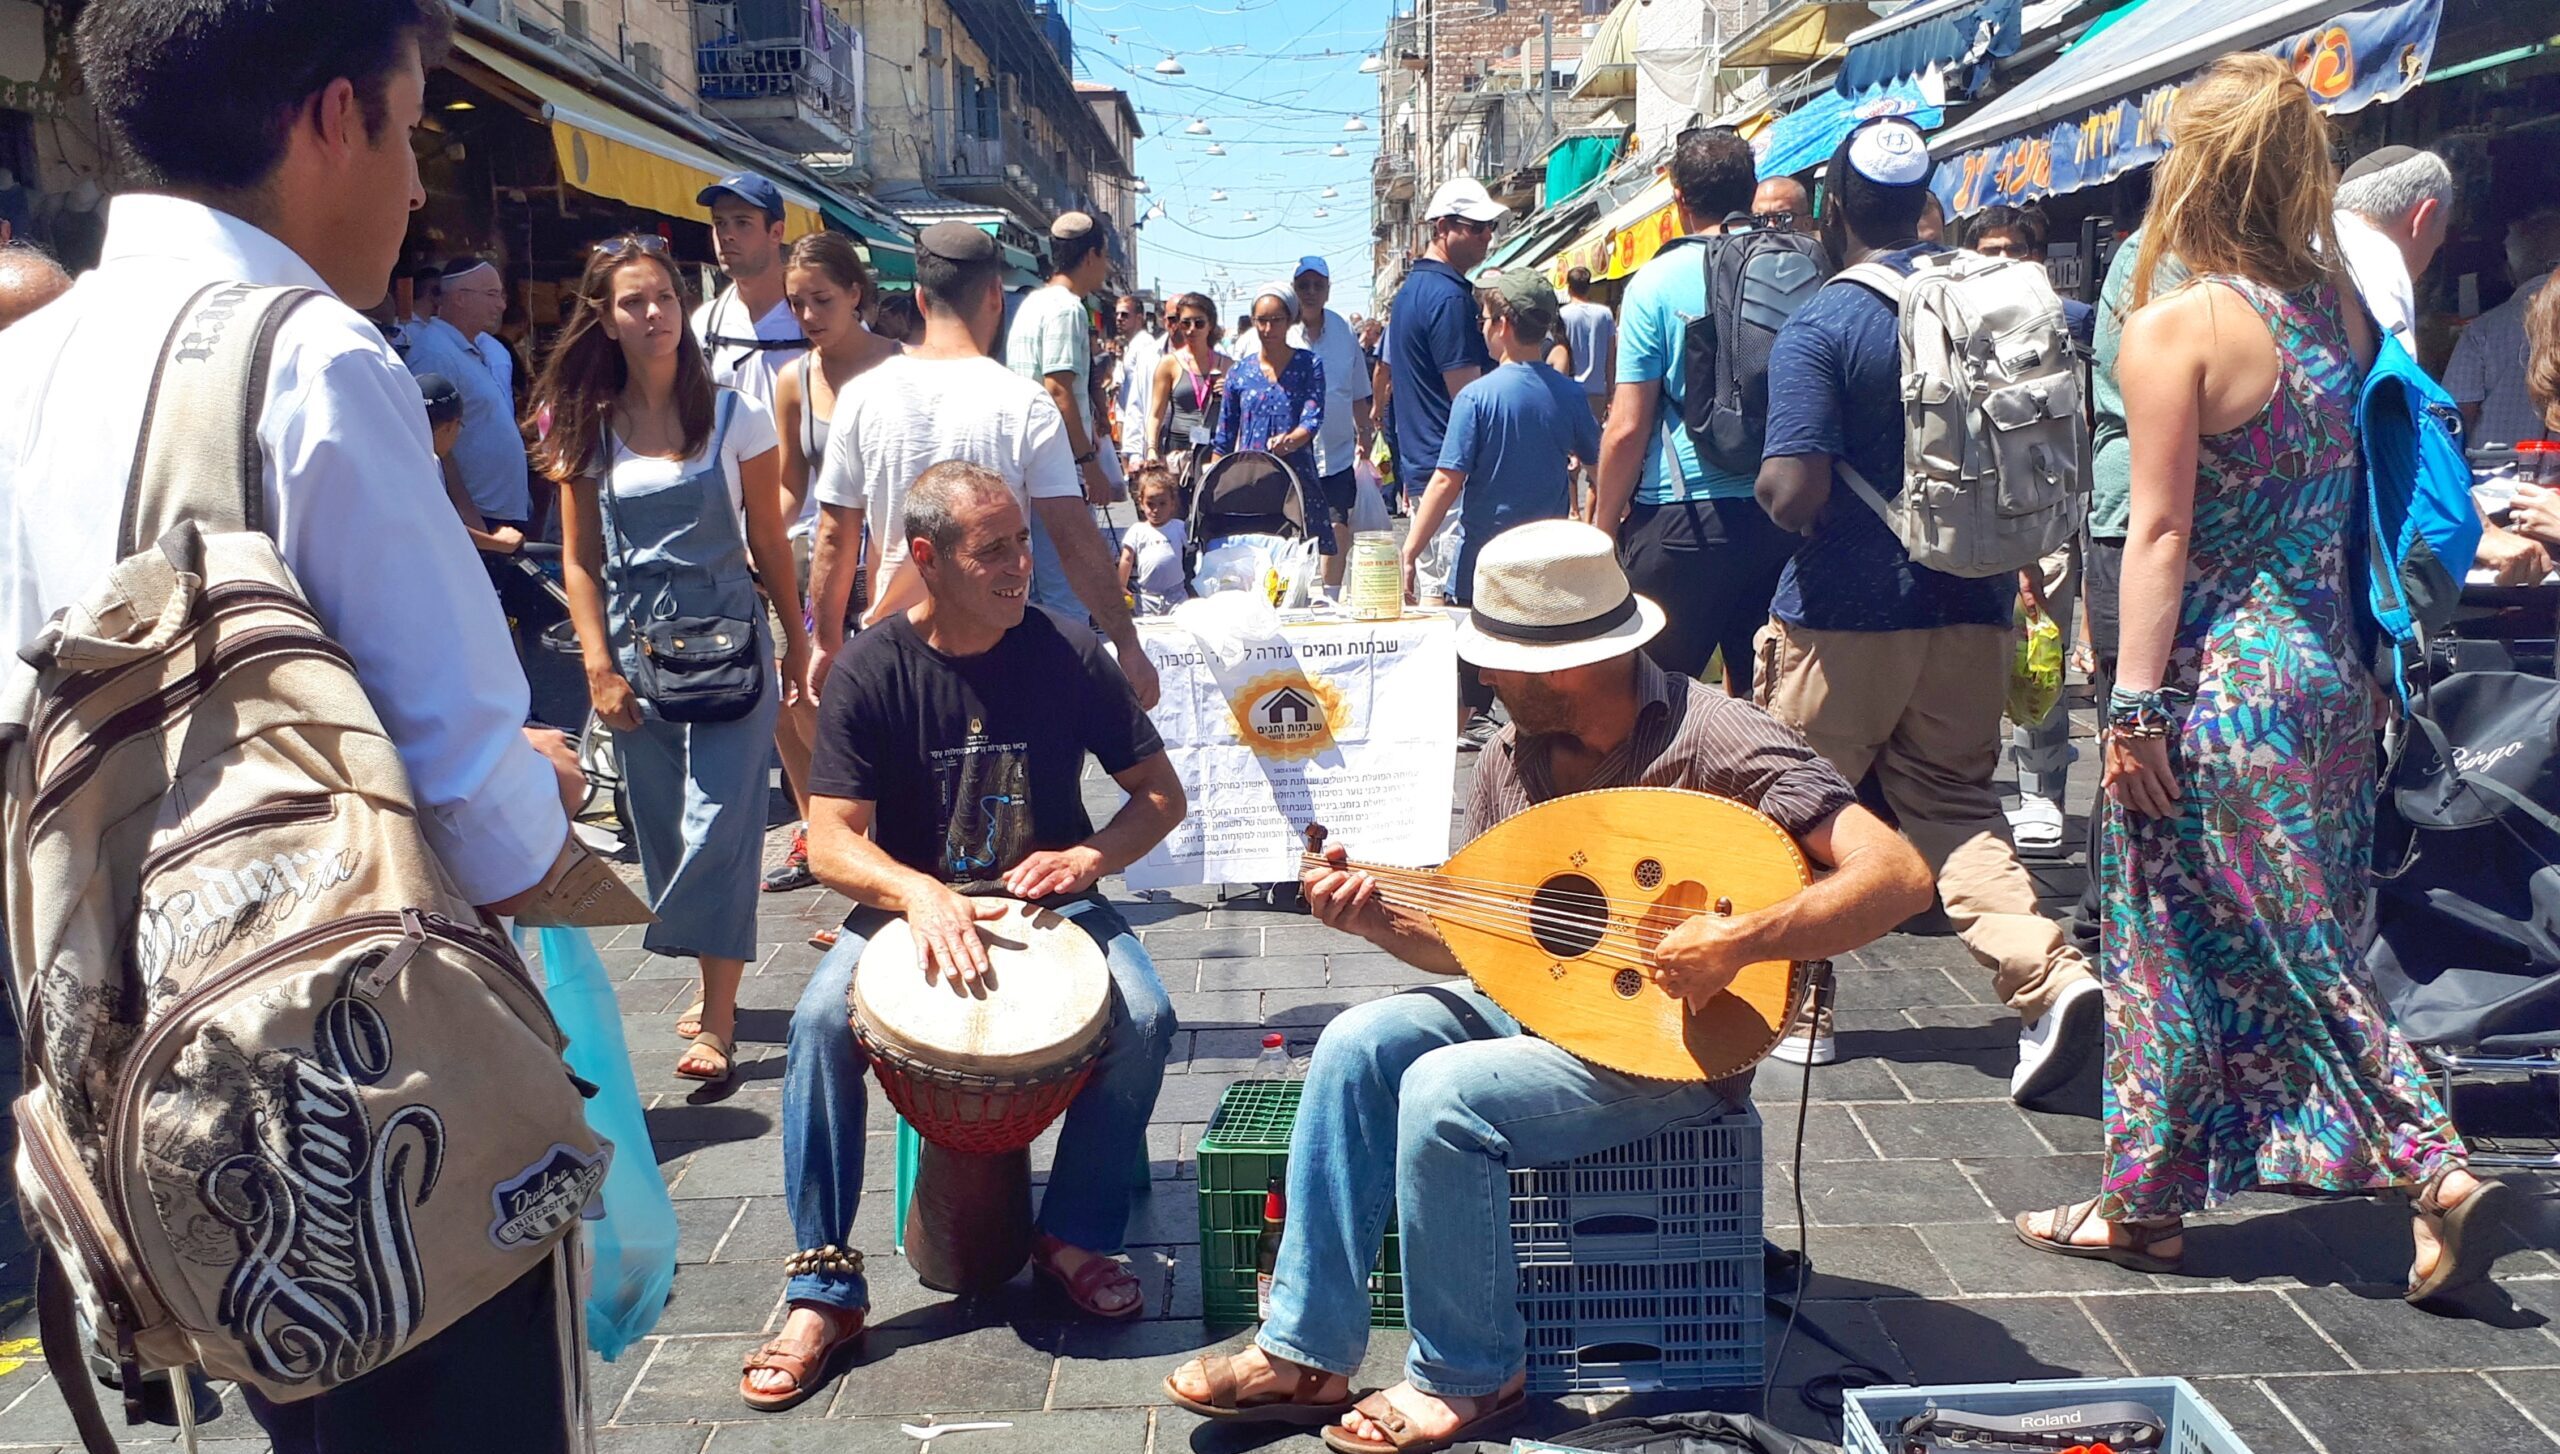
(1756, 280)
(1688, 1434)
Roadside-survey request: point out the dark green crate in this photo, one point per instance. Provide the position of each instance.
(1245, 1148)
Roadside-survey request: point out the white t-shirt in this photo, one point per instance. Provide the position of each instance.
(906, 414)
(1157, 581)
(1346, 382)
(1052, 335)
(2382, 276)
(750, 436)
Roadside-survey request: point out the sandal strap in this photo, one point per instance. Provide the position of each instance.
(1219, 1372)
(1097, 1272)
(1390, 1419)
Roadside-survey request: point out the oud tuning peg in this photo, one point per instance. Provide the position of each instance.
(1315, 839)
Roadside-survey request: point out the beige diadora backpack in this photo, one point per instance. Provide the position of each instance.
(292, 1107)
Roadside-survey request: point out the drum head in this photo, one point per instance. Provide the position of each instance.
(1047, 999)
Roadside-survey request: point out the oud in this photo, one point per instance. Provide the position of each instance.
(1555, 913)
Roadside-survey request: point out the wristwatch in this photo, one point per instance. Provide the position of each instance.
(1085, 458)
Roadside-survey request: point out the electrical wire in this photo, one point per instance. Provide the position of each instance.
(1824, 1394)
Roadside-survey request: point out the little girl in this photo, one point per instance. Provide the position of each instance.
(1151, 570)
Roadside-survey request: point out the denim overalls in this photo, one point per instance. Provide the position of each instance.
(697, 789)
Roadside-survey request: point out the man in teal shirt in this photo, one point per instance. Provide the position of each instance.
(1692, 537)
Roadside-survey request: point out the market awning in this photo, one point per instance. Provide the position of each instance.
(1932, 34)
(1609, 58)
(1576, 162)
(1627, 238)
(1806, 136)
(1796, 33)
(2102, 109)
(610, 152)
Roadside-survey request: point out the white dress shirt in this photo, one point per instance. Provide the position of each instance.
(1346, 382)
(2488, 370)
(2382, 276)
(353, 498)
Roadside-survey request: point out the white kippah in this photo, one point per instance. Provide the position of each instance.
(1890, 153)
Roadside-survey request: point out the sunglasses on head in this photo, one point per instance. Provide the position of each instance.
(632, 244)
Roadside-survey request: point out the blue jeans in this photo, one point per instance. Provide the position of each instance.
(824, 1101)
(1423, 1102)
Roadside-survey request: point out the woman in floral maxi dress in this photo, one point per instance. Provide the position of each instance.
(2245, 1045)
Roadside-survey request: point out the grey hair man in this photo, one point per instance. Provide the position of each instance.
(2487, 374)
(29, 279)
(2392, 210)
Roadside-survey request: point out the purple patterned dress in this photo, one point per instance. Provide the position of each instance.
(2245, 1045)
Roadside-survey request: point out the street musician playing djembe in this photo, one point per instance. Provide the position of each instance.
(959, 730)
(1422, 1102)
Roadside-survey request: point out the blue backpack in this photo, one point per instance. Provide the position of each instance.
(2422, 528)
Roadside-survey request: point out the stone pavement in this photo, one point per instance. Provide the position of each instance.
(2287, 1316)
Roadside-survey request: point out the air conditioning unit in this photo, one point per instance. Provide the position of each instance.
(573, 18)
(644, 59)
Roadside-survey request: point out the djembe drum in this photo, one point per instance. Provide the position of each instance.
(980, 1076)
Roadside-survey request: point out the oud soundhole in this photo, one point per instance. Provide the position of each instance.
(1567, 915)
(1649, 874)
(1627, 983)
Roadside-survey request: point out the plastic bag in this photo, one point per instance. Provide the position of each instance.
(634, 1243)
(1368, 504)
(2035, 671)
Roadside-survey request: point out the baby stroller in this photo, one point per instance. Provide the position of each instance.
(2466, 950)
(1249, 492)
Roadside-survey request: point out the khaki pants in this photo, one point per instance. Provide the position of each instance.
(1923, 709)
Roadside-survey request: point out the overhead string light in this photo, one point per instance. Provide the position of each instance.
(1171, 65)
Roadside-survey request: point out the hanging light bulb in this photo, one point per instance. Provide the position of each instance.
(1155, 212)
(1248, 216)
(1217, 149)
(1329, 193)
(1339, 150)
(1374, 64)
(1170, 66)
(1354, 123)
(1199, 126)
(1323, 212)
(1137, 184)
(1218, 195)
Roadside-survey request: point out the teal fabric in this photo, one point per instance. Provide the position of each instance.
(1576, 164)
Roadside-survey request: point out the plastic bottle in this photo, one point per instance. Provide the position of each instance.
(1275, 1214)
(1273, 1063)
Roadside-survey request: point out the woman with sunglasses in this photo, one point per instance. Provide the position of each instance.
(1189, 381)
(656, 465)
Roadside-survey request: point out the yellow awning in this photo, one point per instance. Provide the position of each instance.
(1626, 239)
(1798, 32)
(611, 152)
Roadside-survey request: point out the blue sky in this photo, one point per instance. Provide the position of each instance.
(1275, 80)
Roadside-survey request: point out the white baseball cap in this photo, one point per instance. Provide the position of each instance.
(1464, 197)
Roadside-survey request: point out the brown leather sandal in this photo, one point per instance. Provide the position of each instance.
(689, 1015)
(1084, 1289)
(2461, 1259)
(2135, 1255)
(807, 1367)
(1291, 1406)
(716, 1047)
(1401, 1438)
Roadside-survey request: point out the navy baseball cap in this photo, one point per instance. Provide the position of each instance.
(747, 187)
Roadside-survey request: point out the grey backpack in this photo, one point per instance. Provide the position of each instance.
(1995, 457)
(291, 1106)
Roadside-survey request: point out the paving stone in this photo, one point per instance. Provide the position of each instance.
(2411, 1411)
(2375, 1329)
(2536, 1391)
(700, 1226)
(1203, 943)
(1830, 1134)
(2014, 1184)
(1969, 1027)
(1997, 1340)
(1315, 1008)
(1124, 1365)
(1875, 1262)
(2067, 1135)
(2252, 1415)
(2213, 1332)
(1896, 989)
(758, 1434)
(723, 1297)
(1374, 968)
(1078, 1431)
(1891, 1193)
(1947, 1073)
(1239, 1008)
(1852, 1325)
(924, 1366)
(1308, 937)
(1270, 972)
(2260, 1249)
(690, 1379)
(652, 1439)
(1939, 1131)
(1987, 1258)
(1858, 1079)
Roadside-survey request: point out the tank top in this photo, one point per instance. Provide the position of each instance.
(1193, 406)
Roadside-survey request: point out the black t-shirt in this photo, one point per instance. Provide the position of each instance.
(974, 761)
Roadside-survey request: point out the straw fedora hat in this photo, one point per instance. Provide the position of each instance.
(1550, 595)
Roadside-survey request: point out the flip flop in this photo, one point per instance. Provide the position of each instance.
(719, 1048)
(1400, 1436)
(2136, 1257)
(2454, 1270)
(692, 1015)
(1289, 1407)
(808, 1370)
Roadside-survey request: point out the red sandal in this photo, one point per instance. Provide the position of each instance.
(1085, 1288)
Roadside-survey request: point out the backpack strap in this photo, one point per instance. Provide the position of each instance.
(1878, 279)
(198, 458)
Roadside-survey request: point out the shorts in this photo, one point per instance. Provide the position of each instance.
(1712, 565)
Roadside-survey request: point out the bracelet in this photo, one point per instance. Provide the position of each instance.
(810, 1261)
(2151, 714)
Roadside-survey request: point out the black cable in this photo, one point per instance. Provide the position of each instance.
(1824, 1394)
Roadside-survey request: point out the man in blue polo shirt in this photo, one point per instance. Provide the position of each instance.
(1883, 663)
(1434, 349)
(1691, 536)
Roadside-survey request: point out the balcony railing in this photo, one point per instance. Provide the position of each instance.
(755, 49)
(994, 160)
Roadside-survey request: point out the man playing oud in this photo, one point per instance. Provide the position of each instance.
(1422, 1102)
(958, 729)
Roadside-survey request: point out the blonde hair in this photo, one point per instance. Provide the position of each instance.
(2542, 353)
(2248, 186)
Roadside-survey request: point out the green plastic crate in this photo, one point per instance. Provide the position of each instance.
(1245, 1148)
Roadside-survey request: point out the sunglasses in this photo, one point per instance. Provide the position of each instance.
(632, 244)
